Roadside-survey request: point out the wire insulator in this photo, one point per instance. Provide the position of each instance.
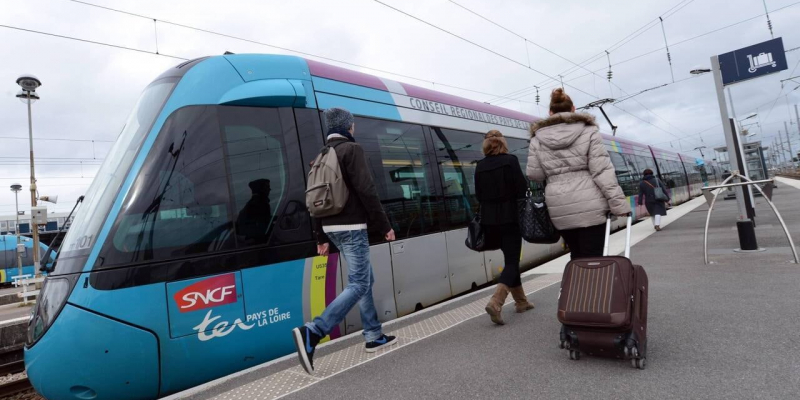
(610, 75)
(537, 95)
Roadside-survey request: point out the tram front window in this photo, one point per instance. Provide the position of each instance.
(103, 191)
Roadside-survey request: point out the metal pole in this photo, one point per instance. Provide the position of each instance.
(708, 216)
(34, 227)
(789, 143)
(19, 255)
(726, 127)
(781, 153)
(743, 167)
(797, 115)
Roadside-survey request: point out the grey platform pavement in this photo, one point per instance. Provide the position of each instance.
(724, 330)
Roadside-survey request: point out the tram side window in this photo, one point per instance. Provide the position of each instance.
(457, 154)
(265, 175)
(309, 130)
(519, 148)
(645, 162)
(397, 157)
(680, 174)
(667, 174)
(179, 202)
(625, 174)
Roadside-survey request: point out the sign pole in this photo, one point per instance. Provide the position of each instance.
(745, 225)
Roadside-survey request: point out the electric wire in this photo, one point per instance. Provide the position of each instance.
(476, 44)
(305, 53)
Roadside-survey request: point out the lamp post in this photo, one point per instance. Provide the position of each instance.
(29, 84)
(16, 187)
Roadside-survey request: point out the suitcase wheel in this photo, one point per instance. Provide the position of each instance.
(563, 345)
(574, 355)
(638, 363)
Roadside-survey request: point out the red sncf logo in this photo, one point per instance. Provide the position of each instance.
(207, 293)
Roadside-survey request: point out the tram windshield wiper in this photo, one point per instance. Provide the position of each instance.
(49, 251)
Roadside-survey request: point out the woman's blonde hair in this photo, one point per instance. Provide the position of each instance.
(494, 143)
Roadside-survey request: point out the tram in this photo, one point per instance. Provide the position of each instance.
(192, 256)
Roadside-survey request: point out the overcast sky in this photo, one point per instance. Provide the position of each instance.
(89, 89)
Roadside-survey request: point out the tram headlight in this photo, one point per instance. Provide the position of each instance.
(52, 298)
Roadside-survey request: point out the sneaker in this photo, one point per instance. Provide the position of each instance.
(380, 342)
(306, 342)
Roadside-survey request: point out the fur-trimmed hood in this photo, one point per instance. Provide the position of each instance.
(564, 118)
(561, 130)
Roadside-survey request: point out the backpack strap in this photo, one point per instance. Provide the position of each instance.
(649, 184)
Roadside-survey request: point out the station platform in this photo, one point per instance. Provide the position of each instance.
(723, 330)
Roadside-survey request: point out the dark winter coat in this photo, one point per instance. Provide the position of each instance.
(498, 184)
(647, 195)
(363, 206)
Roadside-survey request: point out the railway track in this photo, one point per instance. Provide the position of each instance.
(12, 387)
(14, 367)
(16, 386)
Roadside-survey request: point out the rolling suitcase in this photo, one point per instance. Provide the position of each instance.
(602, 306)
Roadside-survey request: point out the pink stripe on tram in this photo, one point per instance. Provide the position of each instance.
(331, 276)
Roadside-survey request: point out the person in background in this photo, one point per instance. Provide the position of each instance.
(647, 195)
(348, 232)
(499, 182)
(567, 151)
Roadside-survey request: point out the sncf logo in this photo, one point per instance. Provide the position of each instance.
(207, 293)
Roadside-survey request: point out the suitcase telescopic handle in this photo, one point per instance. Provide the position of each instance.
(627, 235)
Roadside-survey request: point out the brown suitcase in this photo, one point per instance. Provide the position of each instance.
(602, 306)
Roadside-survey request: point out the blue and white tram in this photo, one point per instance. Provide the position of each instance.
(192, 256)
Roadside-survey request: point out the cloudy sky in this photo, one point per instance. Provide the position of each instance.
(88, 89)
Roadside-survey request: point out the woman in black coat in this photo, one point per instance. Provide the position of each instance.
(498, 184)
(647, 194)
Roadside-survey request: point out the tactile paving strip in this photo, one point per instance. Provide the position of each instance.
(293, 379)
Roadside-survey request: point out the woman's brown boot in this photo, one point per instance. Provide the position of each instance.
(495, 306)
(520, 300)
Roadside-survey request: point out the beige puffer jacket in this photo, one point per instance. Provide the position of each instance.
(567, 151)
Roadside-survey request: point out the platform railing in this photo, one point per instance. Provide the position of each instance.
(25, 281)
(725, 184)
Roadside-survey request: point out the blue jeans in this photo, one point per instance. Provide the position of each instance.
(354, 247)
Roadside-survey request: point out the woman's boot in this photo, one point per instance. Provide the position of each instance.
(520, 300)
(495, 306)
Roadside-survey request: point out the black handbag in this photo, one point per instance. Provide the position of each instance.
(476, 236)
(534, 221)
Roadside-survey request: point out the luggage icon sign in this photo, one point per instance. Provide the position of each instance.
(760, 61)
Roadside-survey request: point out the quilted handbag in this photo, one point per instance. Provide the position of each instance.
(476, 236)
(534, 221)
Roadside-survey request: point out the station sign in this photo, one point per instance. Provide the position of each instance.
(753, 61)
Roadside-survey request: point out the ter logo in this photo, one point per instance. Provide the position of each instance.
(207, 293)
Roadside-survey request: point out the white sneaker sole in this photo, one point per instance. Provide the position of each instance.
(374, 349)
(301, 351)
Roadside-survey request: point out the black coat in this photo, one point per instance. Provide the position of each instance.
(499, 182)
(647, 194)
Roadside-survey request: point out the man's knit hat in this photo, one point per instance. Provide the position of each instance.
(338, 119)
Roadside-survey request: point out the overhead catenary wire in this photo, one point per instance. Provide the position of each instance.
(476, 44)
(521, 92)
(56, 139)
(243, 39)
(560, 76)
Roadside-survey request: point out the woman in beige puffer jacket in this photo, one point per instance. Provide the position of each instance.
(567, 151)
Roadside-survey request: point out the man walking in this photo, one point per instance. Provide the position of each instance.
(348, 232)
